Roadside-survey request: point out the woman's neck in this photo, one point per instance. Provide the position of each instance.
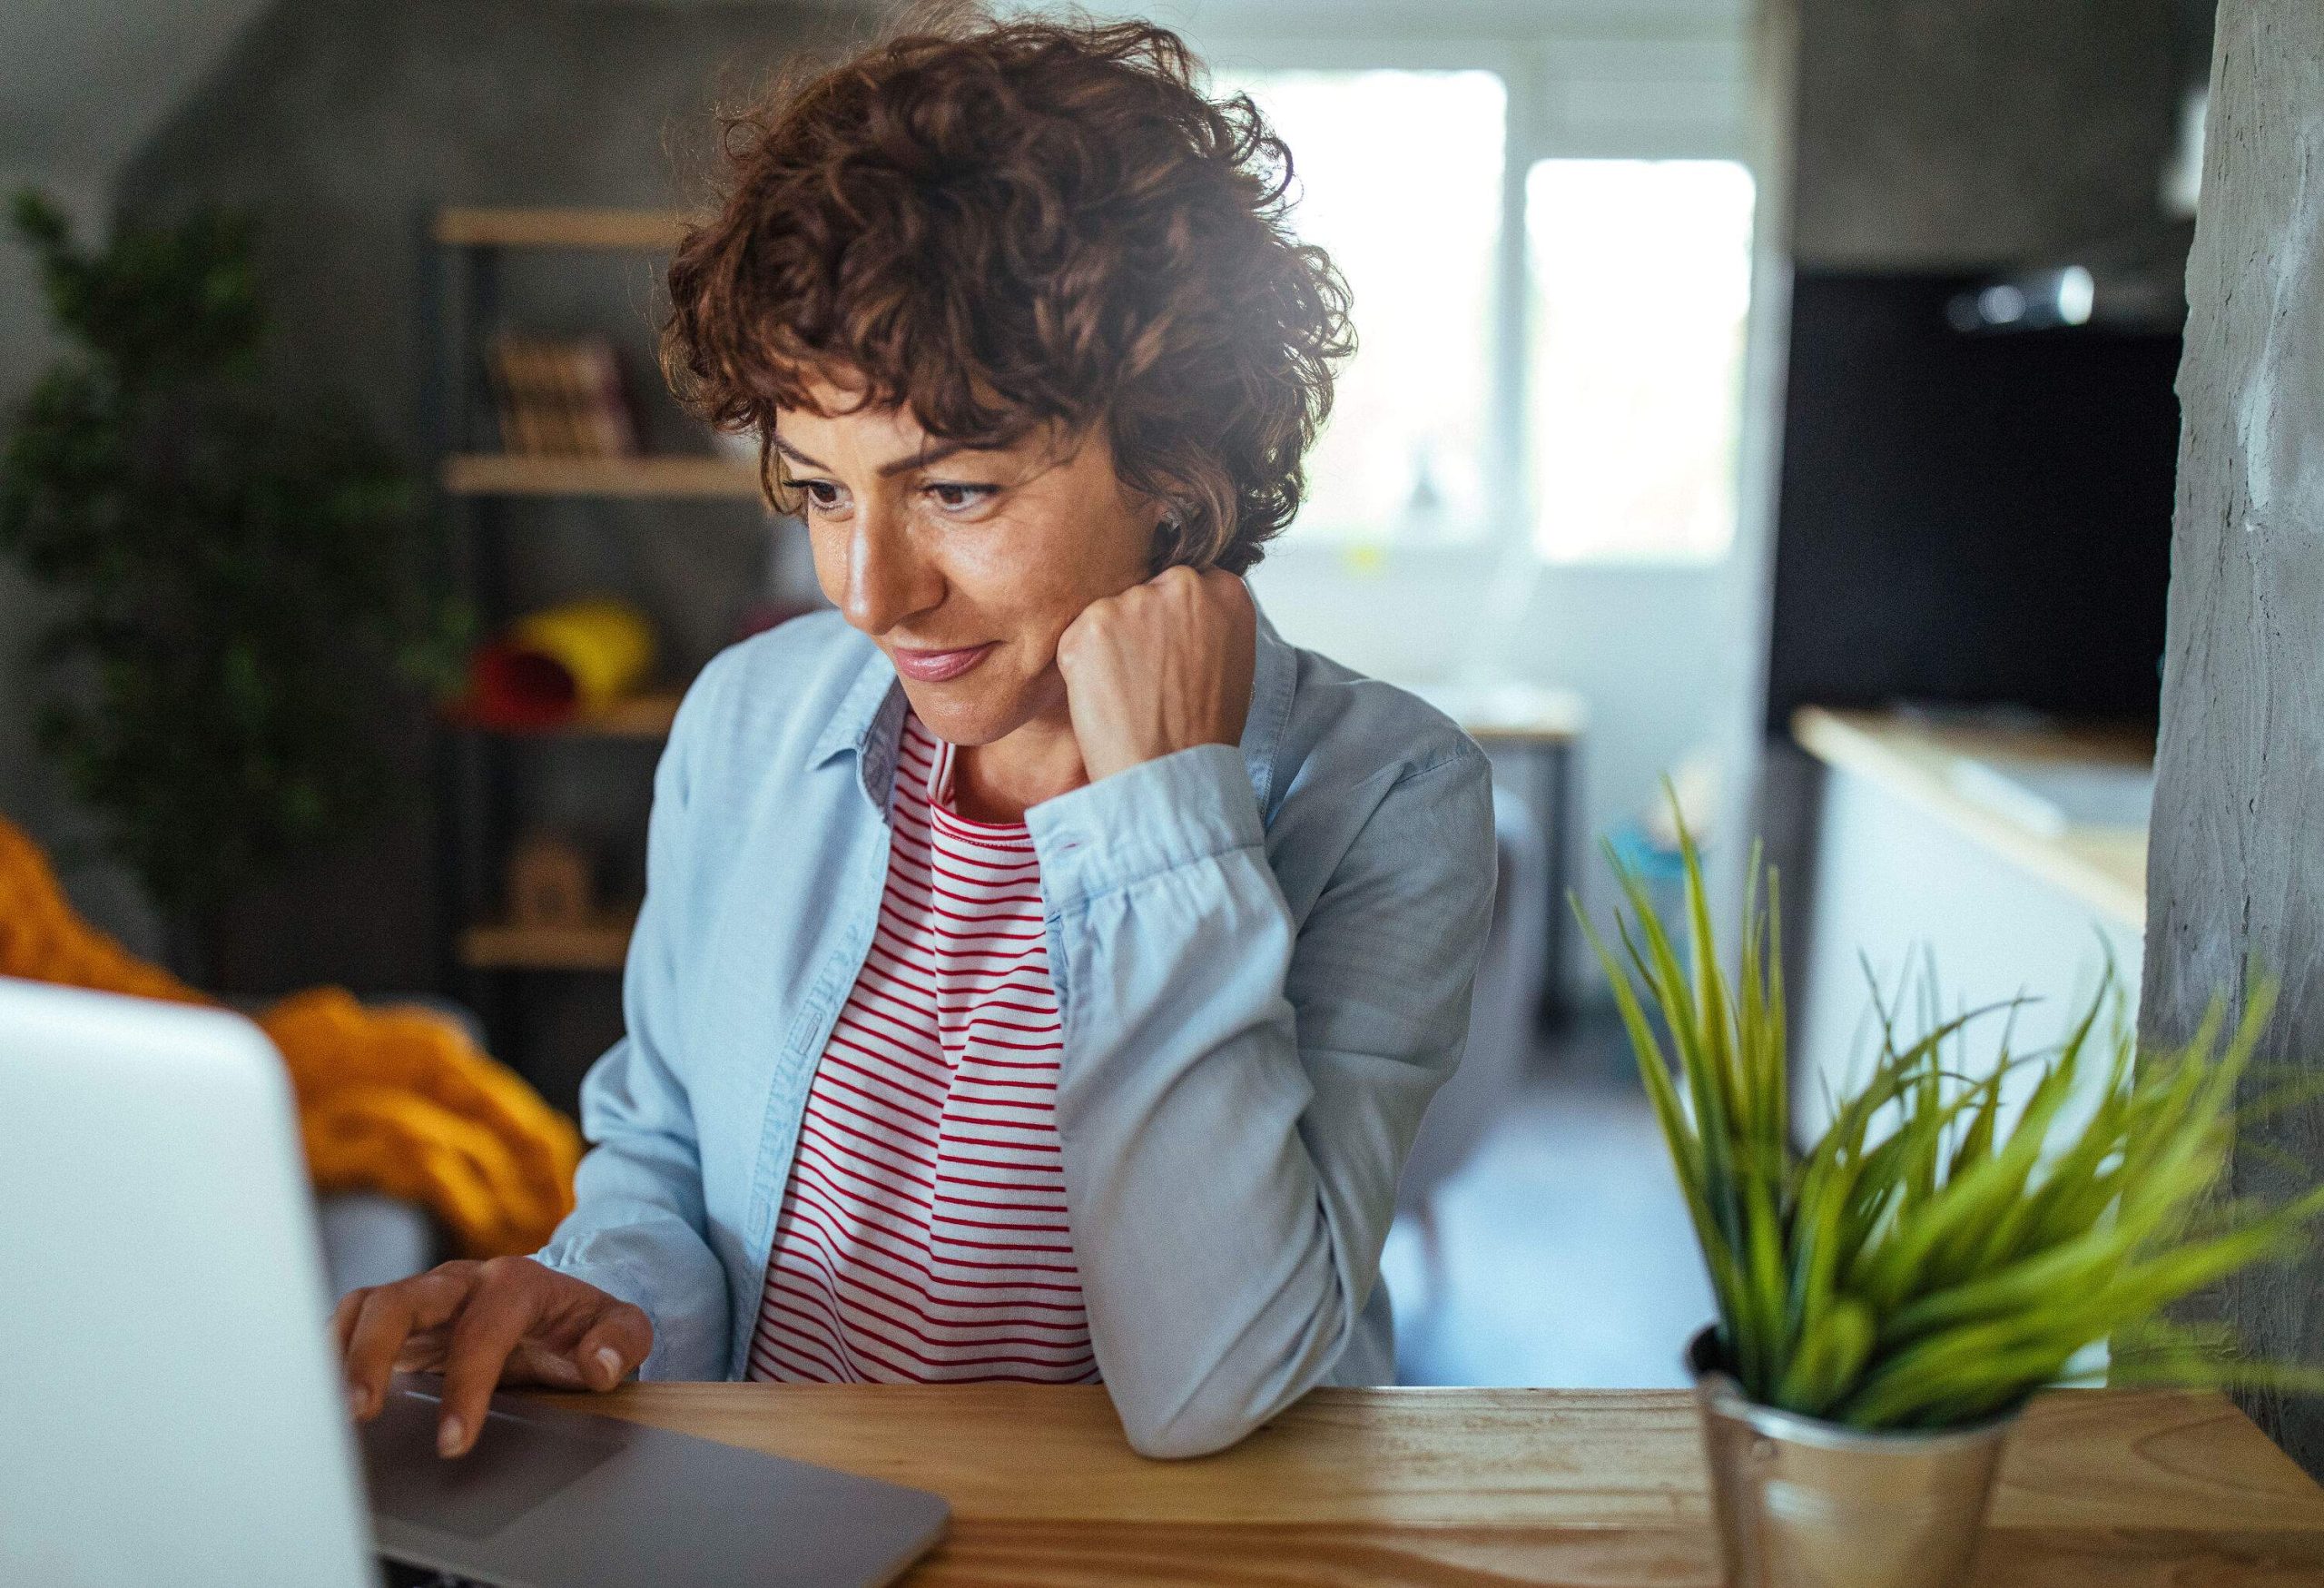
(1000, 781)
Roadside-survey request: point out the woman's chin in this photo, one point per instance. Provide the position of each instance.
(960, 713)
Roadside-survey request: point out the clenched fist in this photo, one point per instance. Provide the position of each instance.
(1161, 667)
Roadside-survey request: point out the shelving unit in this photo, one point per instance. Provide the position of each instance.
(651, 231)
(465, 249)
(598, 945)
(640, 716)
(490, 474)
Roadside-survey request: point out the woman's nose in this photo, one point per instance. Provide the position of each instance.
(888, 579)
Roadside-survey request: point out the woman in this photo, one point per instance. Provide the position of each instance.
(1043, 966)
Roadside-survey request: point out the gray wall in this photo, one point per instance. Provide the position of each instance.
(80, 86)
(347, 125)
(1943, 134)
(31, 794)
(2237, 867)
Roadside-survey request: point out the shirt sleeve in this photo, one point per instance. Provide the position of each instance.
(636, 1230)
(1238, 1093)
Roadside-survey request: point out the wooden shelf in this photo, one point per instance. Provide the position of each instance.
(554, 228)
(598, 945)
(640, 716)
(500, 474)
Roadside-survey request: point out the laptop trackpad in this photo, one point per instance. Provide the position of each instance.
(514, 1464)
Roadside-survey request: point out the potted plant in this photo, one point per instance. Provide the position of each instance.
(1891, 1293)
(240, 573)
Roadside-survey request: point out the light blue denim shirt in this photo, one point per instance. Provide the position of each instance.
(1262, 957)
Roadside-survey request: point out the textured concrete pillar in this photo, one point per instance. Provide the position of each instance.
(2237, 867)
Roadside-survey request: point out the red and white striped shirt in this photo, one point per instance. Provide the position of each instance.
(923, 1234)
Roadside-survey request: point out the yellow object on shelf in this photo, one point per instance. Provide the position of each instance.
(566, 662)
(606, 646)
(395, 1099)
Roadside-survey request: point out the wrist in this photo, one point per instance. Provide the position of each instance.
(1182, 808)
(1114, 740)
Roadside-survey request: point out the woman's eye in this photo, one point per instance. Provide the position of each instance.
(953, 497)
(822, 495)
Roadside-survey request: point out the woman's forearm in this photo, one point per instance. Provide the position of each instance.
(1236, 1103)
(638, 1227)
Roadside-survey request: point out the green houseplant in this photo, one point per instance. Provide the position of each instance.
(1892, 1292)
(241, 574)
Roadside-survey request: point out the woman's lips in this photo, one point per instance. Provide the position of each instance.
(936, 667)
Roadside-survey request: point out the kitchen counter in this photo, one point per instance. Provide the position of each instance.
(1476, 1486)
(1966, 862)
(1989, 783)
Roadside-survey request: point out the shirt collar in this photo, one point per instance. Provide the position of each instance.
(870, 718)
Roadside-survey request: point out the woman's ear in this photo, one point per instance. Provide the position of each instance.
(1166, 533)
(1169, 547)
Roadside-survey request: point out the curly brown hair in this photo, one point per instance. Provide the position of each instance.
(1008, 226)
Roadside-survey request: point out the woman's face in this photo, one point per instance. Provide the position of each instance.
(964, 566)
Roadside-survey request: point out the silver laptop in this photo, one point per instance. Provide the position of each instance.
(171, 1413)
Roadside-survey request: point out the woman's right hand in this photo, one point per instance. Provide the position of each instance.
(505, 1320)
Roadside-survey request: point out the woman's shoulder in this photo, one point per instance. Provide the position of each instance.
(1375, 791)
(818, 646)
(1341, 724)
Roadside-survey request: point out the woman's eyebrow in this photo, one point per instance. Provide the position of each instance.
(920, 460)
(796, 456)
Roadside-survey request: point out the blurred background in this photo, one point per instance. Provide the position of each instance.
(1773, 399)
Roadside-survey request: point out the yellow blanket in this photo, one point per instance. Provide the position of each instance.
(389, 1100)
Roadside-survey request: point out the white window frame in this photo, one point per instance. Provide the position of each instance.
(1677, 93)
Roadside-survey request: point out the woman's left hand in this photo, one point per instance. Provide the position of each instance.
(1161, 667)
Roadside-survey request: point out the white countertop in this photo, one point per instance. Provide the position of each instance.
(2067, 804)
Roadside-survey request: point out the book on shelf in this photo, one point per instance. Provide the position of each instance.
(561, 397)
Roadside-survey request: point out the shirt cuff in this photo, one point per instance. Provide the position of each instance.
(1187, 806)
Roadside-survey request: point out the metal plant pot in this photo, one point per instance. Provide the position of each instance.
(1804, 1504)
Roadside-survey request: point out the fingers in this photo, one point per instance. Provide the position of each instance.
(509, 1319)
(595, 1350)
(383, 1318)
(344, 1316)
(533, 1362)
(497, 1316)
(421, 1348)
(1214, 584)
(423, 1352)
(1231, 593)
(614, 1345)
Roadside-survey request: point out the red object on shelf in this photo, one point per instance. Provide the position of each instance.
(511, 685)
(550, 667)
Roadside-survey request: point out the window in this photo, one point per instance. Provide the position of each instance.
(1398, 176)
(1639, 278)
(1582, 392)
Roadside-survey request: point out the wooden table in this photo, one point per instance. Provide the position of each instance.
(1475, 1487)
